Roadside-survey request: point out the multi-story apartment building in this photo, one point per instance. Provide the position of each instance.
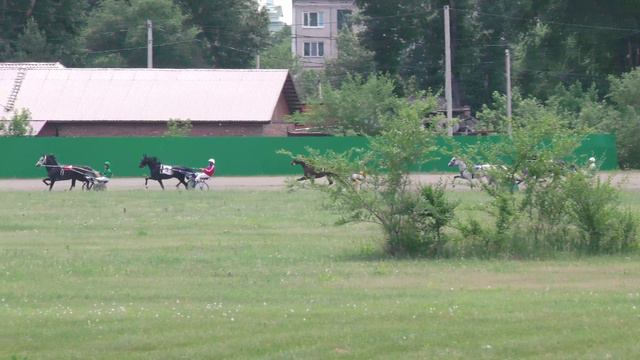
(315, 28)
(276, 16)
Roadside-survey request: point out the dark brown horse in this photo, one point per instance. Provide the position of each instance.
(57, 172)
(311, 173)
(161, 172)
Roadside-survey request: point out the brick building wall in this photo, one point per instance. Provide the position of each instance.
(276, 127)
(94, 128)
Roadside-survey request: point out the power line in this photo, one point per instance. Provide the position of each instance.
(139, 47)
(592, 27)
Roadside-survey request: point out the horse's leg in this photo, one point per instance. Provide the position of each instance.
(302, 178)
(161, 185)
(51, 185)
(46, 181)
(146, 181)
(73, 184)
(453, 181)
(181, 181)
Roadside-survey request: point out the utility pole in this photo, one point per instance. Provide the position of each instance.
(149, 44)
(508, 69)
(258, 61)
(447, 74)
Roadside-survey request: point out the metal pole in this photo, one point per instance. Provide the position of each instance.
(258, 61)
(447, 75)
(149, 44)
(508, 68)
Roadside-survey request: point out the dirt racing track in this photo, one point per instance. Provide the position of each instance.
(628, 180)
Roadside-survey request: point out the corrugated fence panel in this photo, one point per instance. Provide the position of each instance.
(235, 156)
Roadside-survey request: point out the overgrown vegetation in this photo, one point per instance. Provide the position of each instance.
(579, 108)
(179, 127)
(545, 201)
(17, 125)
(562, 205)
(412, 220)
(357, 107)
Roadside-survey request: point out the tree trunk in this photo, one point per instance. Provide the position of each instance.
(31, 7)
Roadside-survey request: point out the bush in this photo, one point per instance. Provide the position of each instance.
(562, 207)
(179, 127)
(18, 125)
(593, 207)
(411, 220)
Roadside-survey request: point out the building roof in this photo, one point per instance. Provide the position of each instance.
(64, 94)
(30, 65)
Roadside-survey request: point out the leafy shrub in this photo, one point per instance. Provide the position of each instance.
(18, 125)
(562, 206)
(178, 127)
(411, 220)
(593, 207)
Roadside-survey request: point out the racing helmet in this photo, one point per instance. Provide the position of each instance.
(212, 160)
(108, 163)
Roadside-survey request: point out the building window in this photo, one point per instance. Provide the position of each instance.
(344, 19)
(314, 49)
(313, 19)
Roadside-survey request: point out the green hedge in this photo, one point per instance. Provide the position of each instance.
(235, 156)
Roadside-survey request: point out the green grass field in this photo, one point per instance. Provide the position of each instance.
(243, 274)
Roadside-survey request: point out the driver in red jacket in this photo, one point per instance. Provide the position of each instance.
(208, 171)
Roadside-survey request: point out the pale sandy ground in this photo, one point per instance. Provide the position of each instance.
(628, 180)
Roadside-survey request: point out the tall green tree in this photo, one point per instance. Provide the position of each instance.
(352, 59)
(116, 35)
(41, 30)
(553, 42)
(578, 40)
(278, 53)
(236, 30)
(356, 107)
(625, 95)
(407, 39)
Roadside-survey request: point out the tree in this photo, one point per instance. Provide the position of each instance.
(179, 127)
(18, 125)
(577, 41)
(116, 35)
(32, 44)
(562, 207)
(357, 107)
(235, 30)
(625, 122)
(407, 39)
(353, 59)
(278, 54)
(411, 220)
(25, 27)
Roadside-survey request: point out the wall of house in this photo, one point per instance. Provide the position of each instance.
(68, 129)
(327, 34)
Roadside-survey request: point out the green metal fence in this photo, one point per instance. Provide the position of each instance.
(235, 156)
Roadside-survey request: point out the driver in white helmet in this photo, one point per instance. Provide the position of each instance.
(208, 171)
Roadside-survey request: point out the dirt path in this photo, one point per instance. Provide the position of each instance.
(629, 180)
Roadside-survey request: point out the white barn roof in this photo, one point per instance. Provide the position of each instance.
(30, 65)
(64, 94)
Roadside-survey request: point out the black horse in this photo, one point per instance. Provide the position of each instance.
(57, 172)
(311, 173)
(161, 172)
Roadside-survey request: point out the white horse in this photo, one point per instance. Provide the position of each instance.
(357, 179)
(478, 172)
